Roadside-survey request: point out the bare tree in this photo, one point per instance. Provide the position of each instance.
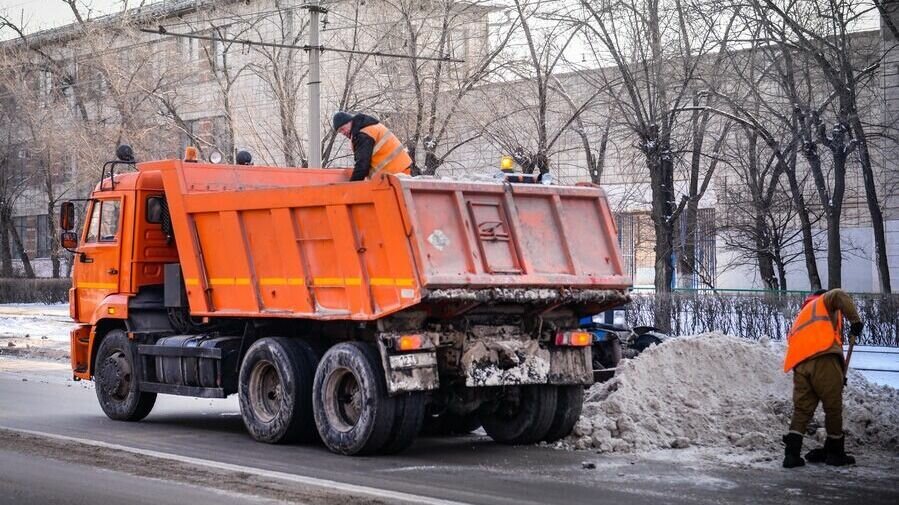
(823, 31)
(657, 51)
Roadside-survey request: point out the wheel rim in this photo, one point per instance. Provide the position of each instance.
(343, 399)
(115, 376)
(265, 391)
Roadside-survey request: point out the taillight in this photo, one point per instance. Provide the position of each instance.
(408, 343)
(574, 338)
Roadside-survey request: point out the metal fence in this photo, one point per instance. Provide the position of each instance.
(756, 314)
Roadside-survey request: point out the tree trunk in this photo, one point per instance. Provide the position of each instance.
(54, 241)
(432, 163)
(762, 247)
(5, 254)
(808, 244)
(20, 249)
(662, 181)
(880, 250)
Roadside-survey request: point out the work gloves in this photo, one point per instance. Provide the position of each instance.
(856, 329)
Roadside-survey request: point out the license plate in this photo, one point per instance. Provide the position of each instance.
(413, 360)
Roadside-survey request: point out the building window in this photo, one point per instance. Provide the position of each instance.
(706, 265)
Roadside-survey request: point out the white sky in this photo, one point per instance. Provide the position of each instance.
(37, 15)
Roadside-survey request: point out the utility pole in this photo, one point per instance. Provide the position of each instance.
(314, 51)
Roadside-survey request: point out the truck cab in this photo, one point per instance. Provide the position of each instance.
(120, 250)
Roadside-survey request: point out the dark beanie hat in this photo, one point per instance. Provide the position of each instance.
(341, 118)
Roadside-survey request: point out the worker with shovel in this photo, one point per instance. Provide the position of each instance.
(815, 355)
(375, 148)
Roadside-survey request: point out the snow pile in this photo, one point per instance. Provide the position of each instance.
(715, 390)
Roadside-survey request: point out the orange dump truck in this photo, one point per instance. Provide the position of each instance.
(356, 312)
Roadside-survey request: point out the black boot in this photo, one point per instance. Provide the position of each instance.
(793, 450)
(836, 452)
(816, 455)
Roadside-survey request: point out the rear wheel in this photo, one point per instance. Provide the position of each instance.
(569, 403)
(353, 413)
(275, 389)
(606, 355)
(408, 418)
(523, 416)
(116, 380)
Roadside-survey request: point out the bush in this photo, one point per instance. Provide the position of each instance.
(34, 290)
(754, 315)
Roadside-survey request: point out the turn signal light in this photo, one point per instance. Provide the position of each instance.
(574, 338)
(408, 343)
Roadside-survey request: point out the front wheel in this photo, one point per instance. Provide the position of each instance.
(116, 380)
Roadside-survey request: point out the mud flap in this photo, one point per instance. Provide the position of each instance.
(504, 362)
(408, 371)
(571, 365)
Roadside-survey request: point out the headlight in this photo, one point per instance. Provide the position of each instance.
(546, 179)
(618, 318)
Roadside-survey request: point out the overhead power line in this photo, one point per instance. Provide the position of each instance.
(162, 31)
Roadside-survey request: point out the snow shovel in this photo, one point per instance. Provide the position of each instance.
(848, 357)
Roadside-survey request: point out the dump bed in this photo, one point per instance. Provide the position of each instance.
(276, 242)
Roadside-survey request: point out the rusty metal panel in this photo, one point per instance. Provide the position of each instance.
(481, 234)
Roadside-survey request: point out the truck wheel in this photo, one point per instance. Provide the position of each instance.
(569, 403)
(606, 355)
(116, 380)
(408, 418)
(275, 390)
(522, 418)
(353, 413)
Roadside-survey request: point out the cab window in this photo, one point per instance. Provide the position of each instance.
(104, 223)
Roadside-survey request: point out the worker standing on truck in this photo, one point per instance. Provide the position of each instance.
(815, 355)
(375, 148)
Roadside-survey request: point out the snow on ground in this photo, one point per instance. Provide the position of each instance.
(724, 397)
(36, 320)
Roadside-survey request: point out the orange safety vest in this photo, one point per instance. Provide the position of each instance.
(812, 332)
(389, 154)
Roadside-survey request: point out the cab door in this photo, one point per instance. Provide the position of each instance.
(98, 258)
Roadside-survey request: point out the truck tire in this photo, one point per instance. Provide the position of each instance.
(116, 380)
(569, 403)
(408, 418)
(275, 390)
(353, 413)
(522, 420)
(606, 355)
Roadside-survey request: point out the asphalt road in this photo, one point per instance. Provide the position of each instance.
(466, 469)
(27, 479)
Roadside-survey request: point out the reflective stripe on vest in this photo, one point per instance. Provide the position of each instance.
(388, 152)
(812, 332)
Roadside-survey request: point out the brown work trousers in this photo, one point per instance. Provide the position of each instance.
(818, 379)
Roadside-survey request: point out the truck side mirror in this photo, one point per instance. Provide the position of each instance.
(68, 240)
(67, 216)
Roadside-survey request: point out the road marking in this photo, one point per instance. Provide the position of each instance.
(271, 474)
